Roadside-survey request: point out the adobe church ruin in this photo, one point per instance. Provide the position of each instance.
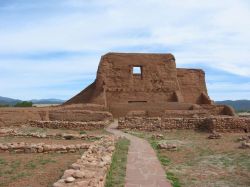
(146, 91)
(150, 84)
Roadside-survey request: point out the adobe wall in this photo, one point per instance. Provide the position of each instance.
(157, 82)
(12, 116)
(220, 124)
(18, 116)
(78, 115)
(193, 86)
(160, 86)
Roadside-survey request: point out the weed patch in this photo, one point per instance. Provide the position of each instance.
(117, 171)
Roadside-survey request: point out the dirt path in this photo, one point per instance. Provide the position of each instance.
(143, 167)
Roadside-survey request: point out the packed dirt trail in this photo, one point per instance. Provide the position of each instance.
(143, 167)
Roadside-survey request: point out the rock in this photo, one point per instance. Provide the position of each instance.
(244, 138)
(169, 147)
(78, 174)
(106, 159)
(90, 159)
(68, 173)
(111, 149)
(43, 135)
(75, 166)
(59, 183)
(89, 174)
(70, 179)
(157, 136)
(214, 136)
(82, 183)
(245, 145)
(68, 136)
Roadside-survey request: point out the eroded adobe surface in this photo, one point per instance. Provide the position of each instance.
(157, 86)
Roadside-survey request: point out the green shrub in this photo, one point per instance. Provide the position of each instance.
(4, 105)
(82, 132)
(24, 104)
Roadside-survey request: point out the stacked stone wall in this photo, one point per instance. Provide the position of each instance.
(220, 124)
(91, 125)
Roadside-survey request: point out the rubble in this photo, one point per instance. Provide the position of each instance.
(22, 147)
(91, 169)
(169, 147)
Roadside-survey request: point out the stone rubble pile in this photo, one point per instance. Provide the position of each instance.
(91, 169)
(214, 135)
(66, 136)
(22, 147)
(169, 147)
(91, 125)
(157, 136)
(220, 124)
(245, 145)
(244, 138)
(246, 142)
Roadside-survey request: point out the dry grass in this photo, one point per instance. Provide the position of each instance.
(117, 171)
(202, 162)
(37, 170)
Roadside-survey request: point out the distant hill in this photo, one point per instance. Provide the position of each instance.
(10, 101)
(238, 105)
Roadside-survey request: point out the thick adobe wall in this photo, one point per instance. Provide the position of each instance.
(18, 116)
(193, 86)
(91, 94)
(153, 87)
(85, 113)
(155, 83)
(158, 86)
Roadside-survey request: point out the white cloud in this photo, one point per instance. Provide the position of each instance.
(212, 33)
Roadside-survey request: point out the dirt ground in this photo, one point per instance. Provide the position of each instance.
(201, 162)
(38, 170)
(33, 170)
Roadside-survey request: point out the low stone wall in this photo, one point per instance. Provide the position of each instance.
(22, 147)
(79, 115)
(220, 124)
(66, 136)
(227, 124)
(91, 125)
(91, 169)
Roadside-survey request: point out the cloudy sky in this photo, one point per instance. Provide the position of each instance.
(51, 48)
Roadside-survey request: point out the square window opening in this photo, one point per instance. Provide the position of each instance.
(137, 70)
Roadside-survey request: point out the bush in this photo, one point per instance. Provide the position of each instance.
(24, 104)
(4, 105)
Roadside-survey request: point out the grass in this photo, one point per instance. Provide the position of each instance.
(82, 132)
(117, 172)
(174, 180)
